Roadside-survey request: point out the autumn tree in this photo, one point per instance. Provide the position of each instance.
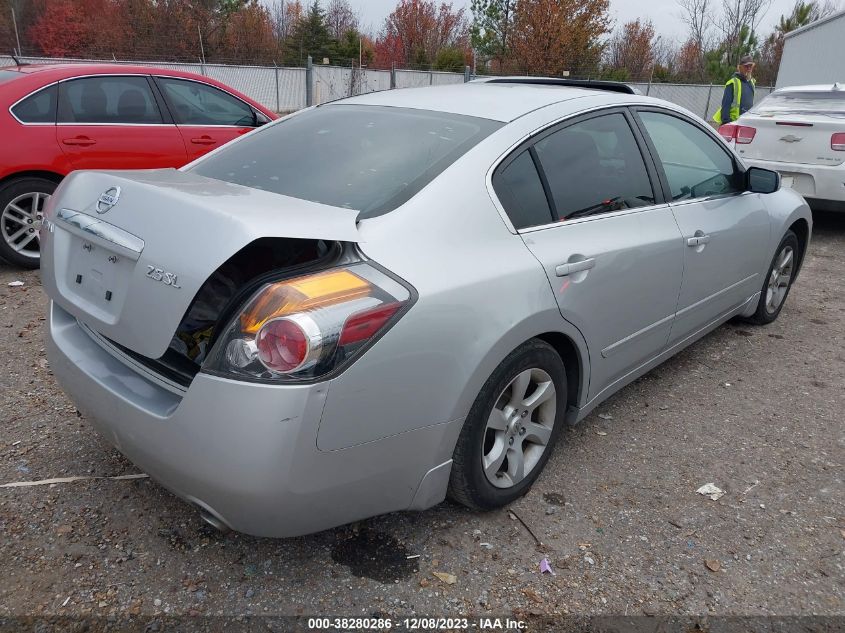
(491, 30)
(631, 50)
(450, 59)
(416, 30)
(73, 28)
(340, 19)
(689, 62)
(698, 16)
(248, 35)
(738, 25)
(284, 16)
(7, 31)
(554, 36)
(310, 36)
(61, 30)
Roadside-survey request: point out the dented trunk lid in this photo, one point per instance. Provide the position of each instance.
(126, 252)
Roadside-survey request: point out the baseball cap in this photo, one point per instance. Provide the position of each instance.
(745, 60)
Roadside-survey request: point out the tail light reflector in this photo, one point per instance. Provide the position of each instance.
(837, 142)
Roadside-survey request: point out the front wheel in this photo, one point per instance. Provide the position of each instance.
(511, 428)
(778, 280)
(21, 213)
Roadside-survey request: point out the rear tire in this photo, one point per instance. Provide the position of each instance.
(21, 206)
(511, 428)
(778, 280)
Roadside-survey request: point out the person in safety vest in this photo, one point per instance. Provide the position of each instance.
(738, 97)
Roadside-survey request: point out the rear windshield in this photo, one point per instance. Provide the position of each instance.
(367, 158)
(805, 101)
(8, 75)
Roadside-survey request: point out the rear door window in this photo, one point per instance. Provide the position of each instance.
(695, 163)
(39, 107)
(521, 192)
(195, 103)
(595, 166)
(108, 100)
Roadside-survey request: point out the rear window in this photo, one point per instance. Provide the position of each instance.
(367, 158)
(39, 107)
(804, 101)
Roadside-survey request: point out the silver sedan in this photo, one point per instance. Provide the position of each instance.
(375, 303)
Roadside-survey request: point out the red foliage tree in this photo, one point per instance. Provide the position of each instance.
(249, 34)
(61, 30)
(416, 30)
(553, 36)
(631, 50)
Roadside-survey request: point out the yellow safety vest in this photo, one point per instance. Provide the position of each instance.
(737, 84)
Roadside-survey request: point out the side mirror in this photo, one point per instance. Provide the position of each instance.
(759, 180)
(259, 118)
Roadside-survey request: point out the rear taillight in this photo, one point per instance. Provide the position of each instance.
(306, 327)
(742, 134)
(837, 142)
(283, 346)
(727, 132)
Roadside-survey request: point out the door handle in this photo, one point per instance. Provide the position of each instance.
(203, 140)
(575, 267)
(698, 240)
(82, 141)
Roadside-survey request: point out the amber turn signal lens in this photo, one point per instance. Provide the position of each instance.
(286, 297)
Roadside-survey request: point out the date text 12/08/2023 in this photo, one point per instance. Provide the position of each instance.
(416, 624)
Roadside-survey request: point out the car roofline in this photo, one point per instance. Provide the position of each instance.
(593, 84)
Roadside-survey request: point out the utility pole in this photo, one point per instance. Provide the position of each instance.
(17, 37)
(360, 47)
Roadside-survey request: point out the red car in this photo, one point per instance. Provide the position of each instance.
(58, 118)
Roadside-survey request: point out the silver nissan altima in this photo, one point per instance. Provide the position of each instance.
(375, 303)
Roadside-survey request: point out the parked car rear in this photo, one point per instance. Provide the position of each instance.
(55, 119)
(799, 132)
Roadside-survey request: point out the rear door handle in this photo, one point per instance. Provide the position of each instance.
(698, 240)
(575, 267)
(82, 141)
(203, 140)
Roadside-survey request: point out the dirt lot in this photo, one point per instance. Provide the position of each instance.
(757, 411)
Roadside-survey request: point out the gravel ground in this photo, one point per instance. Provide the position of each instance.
(757, 411)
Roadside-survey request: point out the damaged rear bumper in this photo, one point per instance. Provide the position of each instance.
(245, 452)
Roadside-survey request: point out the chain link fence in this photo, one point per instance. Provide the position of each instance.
(701, 99)
(284, 89)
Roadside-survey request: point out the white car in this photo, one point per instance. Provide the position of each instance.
(800, 132)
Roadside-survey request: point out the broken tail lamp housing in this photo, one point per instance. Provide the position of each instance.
(306, 327)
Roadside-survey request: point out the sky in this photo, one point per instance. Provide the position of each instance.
(665, 15)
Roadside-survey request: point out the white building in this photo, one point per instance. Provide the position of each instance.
(814, 54)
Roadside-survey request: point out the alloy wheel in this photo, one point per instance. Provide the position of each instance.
(519, 428)
(21, 220)
(779, 279)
